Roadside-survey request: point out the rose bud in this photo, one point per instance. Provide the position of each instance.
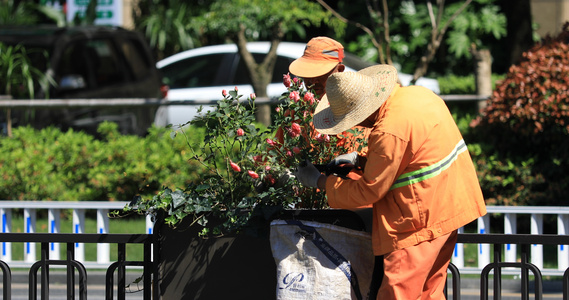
(271, 179)
(286, 80)
(234, 166)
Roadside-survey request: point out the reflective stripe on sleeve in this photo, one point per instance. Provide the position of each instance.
(430, 171)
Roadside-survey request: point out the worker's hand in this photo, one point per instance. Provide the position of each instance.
(348, 158)
(284, 178)
(307, 174)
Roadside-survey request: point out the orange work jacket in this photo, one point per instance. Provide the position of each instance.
(419, 175)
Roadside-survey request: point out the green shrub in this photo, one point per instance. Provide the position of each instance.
(452, 84)
(525, 128)
(52, 165)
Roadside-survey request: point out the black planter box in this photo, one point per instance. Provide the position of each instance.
(231, 267)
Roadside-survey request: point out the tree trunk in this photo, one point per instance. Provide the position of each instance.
(483, 74)
(263, 114)
(519, 38)
(261, 73)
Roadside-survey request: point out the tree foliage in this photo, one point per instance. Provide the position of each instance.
(409, 33)
(170, 26)
(246, 20)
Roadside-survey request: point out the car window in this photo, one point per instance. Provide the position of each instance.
(107, 71)
(281, 67)
(89, 64)
(139, 65)
(199, 71)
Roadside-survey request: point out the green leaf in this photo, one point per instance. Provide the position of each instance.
(202, 187)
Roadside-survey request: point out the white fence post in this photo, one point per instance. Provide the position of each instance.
(537, 250)
(149, 224)
(79, 227)
(510, 223)
(6, 228)
(103, 249)
(150, 230)
(29, 227)
(483, 249)
(562, 251)
(53, 222)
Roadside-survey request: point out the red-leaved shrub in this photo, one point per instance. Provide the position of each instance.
(523, 133)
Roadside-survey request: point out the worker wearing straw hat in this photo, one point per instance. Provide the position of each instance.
(418, 175)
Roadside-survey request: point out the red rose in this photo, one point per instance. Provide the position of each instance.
(240, 132)
(294, 96)
(295, 130)
(322, 137)
(224, 93)
(296, 150)
(309, 97)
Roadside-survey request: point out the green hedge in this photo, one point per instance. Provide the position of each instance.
(52, 165)
(462, 85)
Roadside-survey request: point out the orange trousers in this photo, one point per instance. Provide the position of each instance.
(417, 272)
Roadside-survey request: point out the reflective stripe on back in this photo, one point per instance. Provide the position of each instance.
(430, 171)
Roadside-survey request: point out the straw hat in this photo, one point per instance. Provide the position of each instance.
(351, 97)
(320, 56)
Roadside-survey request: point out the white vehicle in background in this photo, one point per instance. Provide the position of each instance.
(199, 75)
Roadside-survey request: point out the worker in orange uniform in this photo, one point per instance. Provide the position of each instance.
(418, 175)
(322, 57)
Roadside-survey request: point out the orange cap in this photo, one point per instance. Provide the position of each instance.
(320, 56)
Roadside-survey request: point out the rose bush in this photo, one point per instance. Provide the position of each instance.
(247, 170)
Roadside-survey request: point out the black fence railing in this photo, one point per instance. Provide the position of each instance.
(151, 290)
(72, 266)
(523, 264)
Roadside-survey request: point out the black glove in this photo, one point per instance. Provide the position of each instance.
(348, 158)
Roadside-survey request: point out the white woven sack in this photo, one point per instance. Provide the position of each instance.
(321, 261)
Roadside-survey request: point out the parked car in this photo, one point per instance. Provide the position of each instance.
(199, 75)
(90, 62)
